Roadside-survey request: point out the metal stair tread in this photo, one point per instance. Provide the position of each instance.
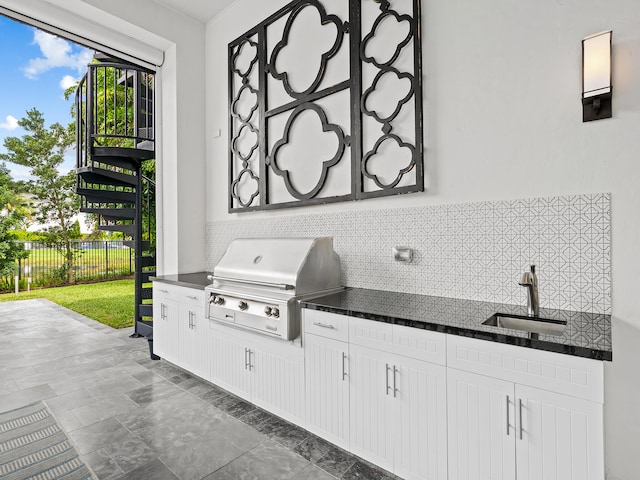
(95, 195)
(119, 213)
(127, 229)
(102, 176)
(133, 154)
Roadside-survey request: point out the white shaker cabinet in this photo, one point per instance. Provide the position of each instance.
(511, 425)
(265, 371)
(180, 335)
(559, 437)
(372, 415)
(481, 427)
(398, 400)
(165, 323)
(327, 388)
(193, 334)
(230, 361)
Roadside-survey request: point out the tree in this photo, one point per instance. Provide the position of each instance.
(42, 150)
(10, 249)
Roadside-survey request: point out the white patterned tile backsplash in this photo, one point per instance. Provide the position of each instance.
(475, 251)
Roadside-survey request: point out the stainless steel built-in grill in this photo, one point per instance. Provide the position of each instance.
(258, 282)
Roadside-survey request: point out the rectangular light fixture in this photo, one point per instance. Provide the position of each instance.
(596, 76)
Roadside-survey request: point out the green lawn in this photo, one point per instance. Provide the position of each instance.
(110, 303)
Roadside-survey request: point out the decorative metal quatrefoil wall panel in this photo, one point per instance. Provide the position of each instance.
(325, 105)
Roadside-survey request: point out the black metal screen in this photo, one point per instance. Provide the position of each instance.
(364, 99)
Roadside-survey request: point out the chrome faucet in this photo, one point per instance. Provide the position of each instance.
(530, 280)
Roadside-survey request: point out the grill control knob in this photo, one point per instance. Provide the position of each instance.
(217, 300)
(268, 311)
(275, 312)
(243, 305)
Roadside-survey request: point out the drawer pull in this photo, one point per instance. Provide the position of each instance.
(192, 297)
(324, 325)
(163, 291)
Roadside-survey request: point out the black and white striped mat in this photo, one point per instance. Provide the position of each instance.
(33, 446)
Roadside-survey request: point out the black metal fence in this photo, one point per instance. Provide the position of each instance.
(93, 260)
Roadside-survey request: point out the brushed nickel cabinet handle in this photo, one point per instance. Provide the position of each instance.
(520, 415)
(508, 415)
(246, 363)
(387, 378)
(395, 390)
(192, 297)
(344, 371)
(324, 325)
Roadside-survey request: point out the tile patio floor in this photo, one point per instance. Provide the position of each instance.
(134, 418)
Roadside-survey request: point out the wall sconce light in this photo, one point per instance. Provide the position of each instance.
(596, 76)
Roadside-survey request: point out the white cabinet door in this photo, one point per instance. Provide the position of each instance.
(420, 394)
(192, 338)
(277, 378)
(371, 399)
(230, 361)
(481, 428)
(165, 326)
(327, 388)
(560, 437)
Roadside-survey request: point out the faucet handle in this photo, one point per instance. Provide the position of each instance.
(533, 268)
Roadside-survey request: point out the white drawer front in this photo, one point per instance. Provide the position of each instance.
(567, 374)
(183, 294)
(372, 334)
(192, 296)
(325, 324)
(420, 344)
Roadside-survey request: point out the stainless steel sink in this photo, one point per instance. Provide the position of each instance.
(527, 324)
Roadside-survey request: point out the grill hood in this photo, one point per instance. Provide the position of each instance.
(297, 266)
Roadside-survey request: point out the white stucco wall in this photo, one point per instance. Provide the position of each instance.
(503, 120)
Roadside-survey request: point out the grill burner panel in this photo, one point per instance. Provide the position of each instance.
(258, 282)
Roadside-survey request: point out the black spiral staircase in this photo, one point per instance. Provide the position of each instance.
(115, 145)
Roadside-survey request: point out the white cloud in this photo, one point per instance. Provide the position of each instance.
(67, 81)
(56, 52)
(11, 123)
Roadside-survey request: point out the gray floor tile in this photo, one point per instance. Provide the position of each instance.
(267, 461)
(25, 397)
(103, 408)
(131, 453)
(136, 419)
(256, 417)
(147, 377)
(153, 392)
(99, 435)
(234, 406)
(241, 435)
(313, 473)
(313, 448)
(336, 462)
(283, 432)
(69, 401)
(362, 471)
(103, 465)
(154, 470)
(201, 457)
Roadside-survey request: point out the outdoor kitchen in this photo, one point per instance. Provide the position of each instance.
(396, 240)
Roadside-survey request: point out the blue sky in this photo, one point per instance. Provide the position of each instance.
(36, 67)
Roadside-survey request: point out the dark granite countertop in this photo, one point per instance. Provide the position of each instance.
(586, 334)
(192, 280)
